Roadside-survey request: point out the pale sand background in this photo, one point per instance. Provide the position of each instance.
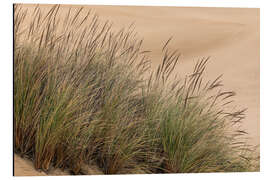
(231, 36)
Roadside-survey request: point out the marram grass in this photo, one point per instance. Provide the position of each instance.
(83, 95)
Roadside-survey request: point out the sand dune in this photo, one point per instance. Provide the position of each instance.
(231, 36)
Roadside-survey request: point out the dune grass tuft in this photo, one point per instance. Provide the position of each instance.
(83, 95)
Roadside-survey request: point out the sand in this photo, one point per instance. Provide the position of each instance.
(231, 36)
(24, 167)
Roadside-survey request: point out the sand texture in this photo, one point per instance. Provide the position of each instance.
(230, 36)
(24, 167)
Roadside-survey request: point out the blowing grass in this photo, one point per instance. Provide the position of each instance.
(83, 95)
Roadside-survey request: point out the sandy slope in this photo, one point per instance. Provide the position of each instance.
(229, 35)
(24, 167)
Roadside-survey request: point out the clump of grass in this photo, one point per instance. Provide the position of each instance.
(198, 133)
(82, 96)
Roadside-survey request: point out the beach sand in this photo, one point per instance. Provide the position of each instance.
(24, 167)
(230, 36)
